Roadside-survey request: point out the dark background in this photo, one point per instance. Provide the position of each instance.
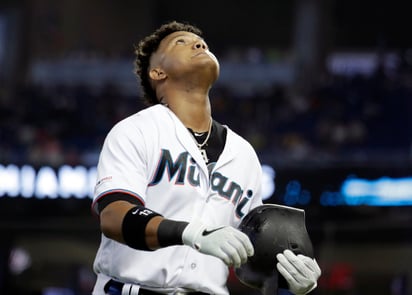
(322, 90)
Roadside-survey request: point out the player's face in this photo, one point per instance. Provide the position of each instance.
(184, 52)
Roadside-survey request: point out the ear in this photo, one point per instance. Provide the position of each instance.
(157, 74)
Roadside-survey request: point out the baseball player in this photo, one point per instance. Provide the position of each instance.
(174, 184)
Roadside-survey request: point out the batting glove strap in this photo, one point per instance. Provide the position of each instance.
(225, 242)
(301, 272)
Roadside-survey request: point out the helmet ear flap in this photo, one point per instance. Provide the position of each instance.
(272, 229)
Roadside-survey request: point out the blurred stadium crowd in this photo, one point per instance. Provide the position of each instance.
(344, 118)
(66, 78)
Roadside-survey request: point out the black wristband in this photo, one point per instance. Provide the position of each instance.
(134, 227)
(170, 232)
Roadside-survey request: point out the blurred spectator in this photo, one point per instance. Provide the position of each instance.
(345, 115)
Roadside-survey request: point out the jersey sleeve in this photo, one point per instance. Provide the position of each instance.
(122, 167)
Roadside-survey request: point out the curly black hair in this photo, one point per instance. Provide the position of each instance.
(147, 46)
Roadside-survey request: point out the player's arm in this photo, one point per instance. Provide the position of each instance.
(112, 219)
(143, 229)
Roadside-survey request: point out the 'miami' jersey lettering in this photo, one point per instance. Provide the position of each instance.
(221, 184)
(233, 190)
(178, 167)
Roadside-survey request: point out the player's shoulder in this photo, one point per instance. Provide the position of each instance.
(141, 119)
(236, 138)
(238, 144)
(140, 124)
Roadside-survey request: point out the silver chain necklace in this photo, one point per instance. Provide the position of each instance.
(200, 145)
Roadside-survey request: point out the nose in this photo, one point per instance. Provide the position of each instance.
(200, 44)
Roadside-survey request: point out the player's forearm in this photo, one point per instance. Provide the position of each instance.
(151, 233)
(143, 229)
(112, 224)
(111, 219)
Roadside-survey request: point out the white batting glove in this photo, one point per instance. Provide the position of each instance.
(301, 272)
(224, 242)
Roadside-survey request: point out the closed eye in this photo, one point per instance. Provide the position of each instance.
(180, 41)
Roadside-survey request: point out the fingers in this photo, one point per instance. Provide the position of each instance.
(291, 264)
(301, 272)
(240, 247)
(225, 257)
(240, 251)
(288, 277)
(247, 244)
(244, 244)
(227, 243)
(311, 264)
(293, 258)
(245, 247)
(299, 264)
(234, 257)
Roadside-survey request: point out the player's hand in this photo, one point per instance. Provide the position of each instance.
(225, 242)
(301, 272)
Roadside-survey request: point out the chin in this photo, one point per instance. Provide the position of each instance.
(211, 69)
(215, 77)
(215, 70)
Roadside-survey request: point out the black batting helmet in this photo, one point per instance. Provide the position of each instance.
(272, 229)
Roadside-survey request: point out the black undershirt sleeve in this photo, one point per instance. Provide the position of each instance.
(107, 199)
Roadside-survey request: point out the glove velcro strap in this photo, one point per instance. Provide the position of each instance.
(134, 227)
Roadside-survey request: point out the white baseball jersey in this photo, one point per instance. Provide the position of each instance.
(152, 157)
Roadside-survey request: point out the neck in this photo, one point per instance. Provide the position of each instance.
(193, 109)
